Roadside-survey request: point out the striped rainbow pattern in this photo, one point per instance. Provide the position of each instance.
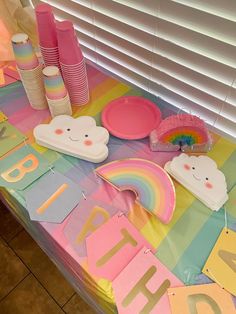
(55, 87)
(26, 58)
(182, 246)
(187, 135)
(152, 185)
(183, 129)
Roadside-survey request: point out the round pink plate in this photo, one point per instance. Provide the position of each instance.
(131, 117)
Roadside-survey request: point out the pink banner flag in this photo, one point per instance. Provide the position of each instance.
(111, 247)
(142, 286)
(89, 215)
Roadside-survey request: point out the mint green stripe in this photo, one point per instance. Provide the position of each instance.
(229, 169)
(194, 258)
(188, 226)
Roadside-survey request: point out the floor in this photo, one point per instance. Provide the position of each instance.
(29, 281)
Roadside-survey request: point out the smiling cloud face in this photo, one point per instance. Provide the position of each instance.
(201, 173)
(77, 137)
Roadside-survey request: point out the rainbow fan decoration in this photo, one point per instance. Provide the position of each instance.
(181, 132)
(152, 185)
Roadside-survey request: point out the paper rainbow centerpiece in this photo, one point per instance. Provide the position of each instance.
(181, 132)
(151, 184)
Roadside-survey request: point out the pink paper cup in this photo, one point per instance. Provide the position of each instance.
(46, 25)
(69, 50)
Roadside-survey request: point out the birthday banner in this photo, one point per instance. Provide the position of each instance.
(142, 286)
(221, 264)
(111, 247)
(19, 169)
(86, 219)
(205, 299)
(52, 198)
(10, 137)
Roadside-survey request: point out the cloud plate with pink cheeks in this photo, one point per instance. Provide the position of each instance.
(200, 176)
(78, 137)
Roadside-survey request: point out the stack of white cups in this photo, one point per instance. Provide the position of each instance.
(30, 70)
(32, 81)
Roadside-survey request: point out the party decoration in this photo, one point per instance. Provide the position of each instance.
(181, 132)
(72, 63)
(53, 82)
(25, 56)
(47, 34)
(119, 242)
(76, 137)
(30, 71)
(200, 176)
(2, 117)
(131, 117)
(221, 263)
(10, 137)
(88, 216)
(151, 184)
(207, 299)
(142, 285)
(56, 93)
(21, 168)
(52, 198)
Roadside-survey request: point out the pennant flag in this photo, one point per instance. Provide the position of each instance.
(10, 137)
(221, 263)
(86, 219)
(21, 168)
(206, 299)
(142, 285)
(52, 198)
(111, 247)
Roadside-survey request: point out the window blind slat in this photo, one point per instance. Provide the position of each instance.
(195, 95)
(213, 120)
(211, 48)
(221, 8)
(170, 48)
(179, 55)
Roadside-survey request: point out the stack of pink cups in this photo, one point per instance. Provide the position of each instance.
(47, 34)
(72, 64)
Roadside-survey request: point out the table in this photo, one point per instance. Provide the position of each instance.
(183, 245)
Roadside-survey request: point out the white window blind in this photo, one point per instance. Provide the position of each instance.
(183, 51)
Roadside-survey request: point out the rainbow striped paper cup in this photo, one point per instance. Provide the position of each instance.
(26, 58)
(53, 82)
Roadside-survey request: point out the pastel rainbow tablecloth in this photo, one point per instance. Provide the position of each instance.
(183, 245)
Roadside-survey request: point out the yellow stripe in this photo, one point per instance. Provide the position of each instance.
(154, 231)
(101, 95)
(52, 198)
(222, 151)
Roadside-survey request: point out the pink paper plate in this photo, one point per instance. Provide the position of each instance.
(131, 117)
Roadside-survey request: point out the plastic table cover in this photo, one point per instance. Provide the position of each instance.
(183, 245)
